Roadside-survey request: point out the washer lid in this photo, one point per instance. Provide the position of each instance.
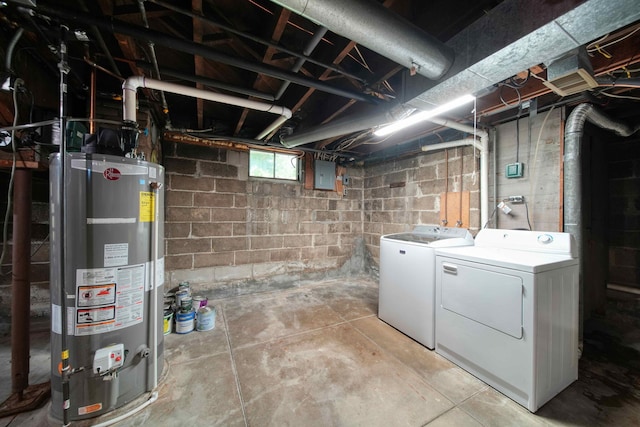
(413, 237)
(431, 233)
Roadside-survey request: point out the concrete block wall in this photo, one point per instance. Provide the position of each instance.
(225, 232)
(403, 193)
(539, 150)
(39, 267)
(624, 212)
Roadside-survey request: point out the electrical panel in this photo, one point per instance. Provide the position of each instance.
(324, 175)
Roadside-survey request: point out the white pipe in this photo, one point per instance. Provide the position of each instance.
(453, 144)
(484, 161)
(154, 290)
(622, 288)
(152, 398)
(131, 85)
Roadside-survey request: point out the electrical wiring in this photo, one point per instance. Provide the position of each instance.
(490, 217)
(506, 104)
(595, 46)
(532, 173)
(526, 208)
(611, 95)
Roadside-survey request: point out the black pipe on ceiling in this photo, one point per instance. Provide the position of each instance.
(302, 56)
(115, 26)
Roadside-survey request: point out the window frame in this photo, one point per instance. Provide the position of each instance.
(275, 164)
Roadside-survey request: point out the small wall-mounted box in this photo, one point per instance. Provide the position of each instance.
(324, 175)
(514, 170)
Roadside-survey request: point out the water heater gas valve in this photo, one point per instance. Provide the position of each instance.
(108, 359)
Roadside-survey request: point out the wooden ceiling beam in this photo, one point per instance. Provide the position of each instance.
(278, 30)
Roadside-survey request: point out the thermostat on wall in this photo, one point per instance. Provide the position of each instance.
(514, 170)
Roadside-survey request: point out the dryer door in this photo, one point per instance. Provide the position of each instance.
(479, 293)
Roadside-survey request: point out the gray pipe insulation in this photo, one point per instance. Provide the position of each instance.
(374, 26)
(572, 187)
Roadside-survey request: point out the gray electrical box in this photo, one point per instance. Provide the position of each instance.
(325, 175)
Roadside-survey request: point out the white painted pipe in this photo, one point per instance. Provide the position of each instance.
(453, 144)
(152, 398)
(484, 161)
(131, 85)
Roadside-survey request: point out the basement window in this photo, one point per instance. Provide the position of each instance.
(269, 164)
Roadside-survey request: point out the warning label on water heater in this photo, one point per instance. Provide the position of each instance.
(108, 299)
(147, 206)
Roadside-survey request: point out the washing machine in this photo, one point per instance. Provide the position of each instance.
(407, 278)
(507, 312)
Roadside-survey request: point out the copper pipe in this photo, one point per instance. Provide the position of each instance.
(20, 283)
(104, 70)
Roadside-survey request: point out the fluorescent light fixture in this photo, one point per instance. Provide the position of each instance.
(423, 115)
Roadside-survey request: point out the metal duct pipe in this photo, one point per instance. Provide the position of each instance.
(345, 126)
(372, 25)
(194, 48)
(129, 93)
(572, 186)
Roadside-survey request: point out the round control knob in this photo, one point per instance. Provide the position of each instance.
(545, 238)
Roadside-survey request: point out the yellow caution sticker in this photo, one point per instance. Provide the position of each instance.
(65, 354)
(147, 206)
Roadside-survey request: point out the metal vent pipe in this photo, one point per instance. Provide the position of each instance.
(372, 25)
(572, 188)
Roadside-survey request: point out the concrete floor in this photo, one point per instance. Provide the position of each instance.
(317, 355)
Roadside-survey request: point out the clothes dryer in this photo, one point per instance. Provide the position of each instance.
(507, 312)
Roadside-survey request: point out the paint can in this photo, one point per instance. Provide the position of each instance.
(179, 296)
(185, 322)
(170, 299)
(206, 319)
(184, 286)
(186, 304)
(168, 321)
(199, 301)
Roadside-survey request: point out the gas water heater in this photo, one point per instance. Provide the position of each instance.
(112, 267)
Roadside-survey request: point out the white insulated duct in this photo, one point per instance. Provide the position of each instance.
(483, 146)
(370, 24)
(131, 85)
